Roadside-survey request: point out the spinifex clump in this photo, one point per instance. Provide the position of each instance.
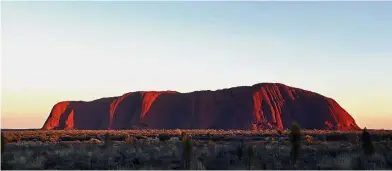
(295, 139)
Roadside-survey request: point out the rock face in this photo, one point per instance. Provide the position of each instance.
(261, 106)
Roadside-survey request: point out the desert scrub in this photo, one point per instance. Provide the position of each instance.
(280, 133)
(43, 137)
(208, 135)
(54, 138)
(352, 138)
(18, 137)
(187, 151)
(196, 143)
(308, 139)
(177, 132)
(129, 139)
(211, 143)
(367, 144)
(94, 141)
(295, 139)
(163, 137)
(174, 140)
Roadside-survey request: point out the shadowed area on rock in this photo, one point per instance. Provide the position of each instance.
(261, 106)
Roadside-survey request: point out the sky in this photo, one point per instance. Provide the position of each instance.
(70, 50)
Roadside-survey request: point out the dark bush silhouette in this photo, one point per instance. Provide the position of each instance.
(279, 132)
(240, 149)
(250, 155)
(295, 139)
(108, 141)
(187, 151)
(367, 144)
(163, 137)
(3, 141)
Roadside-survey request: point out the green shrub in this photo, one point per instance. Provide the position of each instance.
(295, 139)
(367, 144)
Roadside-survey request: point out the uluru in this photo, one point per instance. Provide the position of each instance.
(260, 106)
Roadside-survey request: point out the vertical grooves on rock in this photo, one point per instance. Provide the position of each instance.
(193, 113)
(277, 100)
(148, 99)
(274, 107)
(257, 107)
(54, 118)
(69, 123)
(113, 107)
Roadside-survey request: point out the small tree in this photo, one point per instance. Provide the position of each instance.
(240, 150)
(367, 144)
(250, 155)
(3, 141)
(108, 141)
(295, 139)
(187, 151)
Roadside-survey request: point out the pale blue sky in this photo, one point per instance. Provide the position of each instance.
(54, 51)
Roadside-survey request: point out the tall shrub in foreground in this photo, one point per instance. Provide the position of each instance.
(108, 142)
(187, 151)
(240, 148)
(295, 139)
(250, 155)
(367, 144)
(2, 143)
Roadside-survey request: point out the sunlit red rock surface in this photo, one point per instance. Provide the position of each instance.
(261, 106)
